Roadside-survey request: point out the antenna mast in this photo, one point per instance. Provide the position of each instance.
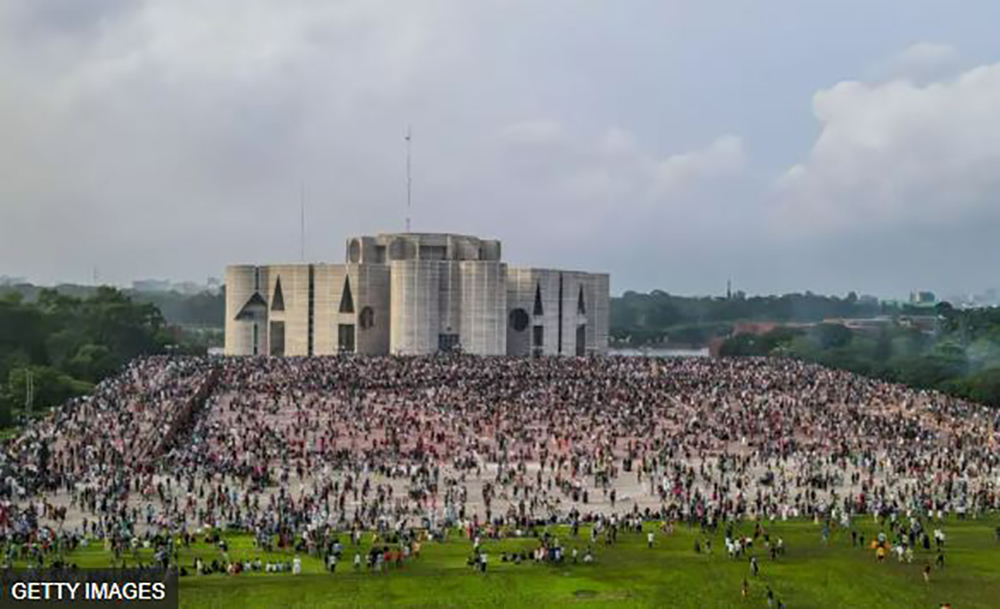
(302, 227)
(409, 180)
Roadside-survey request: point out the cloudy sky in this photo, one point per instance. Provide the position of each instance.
(822, 145)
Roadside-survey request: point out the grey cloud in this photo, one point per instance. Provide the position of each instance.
(64, 17)
(170, 138)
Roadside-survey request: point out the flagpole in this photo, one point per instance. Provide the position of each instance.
(409, 180)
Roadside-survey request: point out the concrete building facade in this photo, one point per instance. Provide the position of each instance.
(415, 294)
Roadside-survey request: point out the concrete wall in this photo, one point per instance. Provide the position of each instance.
(336, 277)
(520, 295)
(410, 289)
(295, 291)
(549, 320)
(420, 246)
(572, 320)
(328, 282)
(599, 312)
(240, 286)
(484, 308)
(522, 284)
(415, 307)
(371, 285)
(450, 295)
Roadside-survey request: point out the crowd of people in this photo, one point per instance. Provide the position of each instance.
(302, 450)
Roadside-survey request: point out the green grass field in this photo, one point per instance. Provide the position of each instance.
(627, 574)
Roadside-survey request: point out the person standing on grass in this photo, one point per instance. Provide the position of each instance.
(649, 539)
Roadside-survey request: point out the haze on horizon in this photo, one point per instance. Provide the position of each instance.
(824, 146)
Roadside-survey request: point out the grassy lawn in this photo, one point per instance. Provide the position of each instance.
(627, 574)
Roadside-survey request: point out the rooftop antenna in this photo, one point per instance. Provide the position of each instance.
(409, 180)
(302, 227)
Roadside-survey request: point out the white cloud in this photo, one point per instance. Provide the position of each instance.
(921, 62)
(614, 164)
(619, 142)
(898, 154)
(610, 184)
(723, 158)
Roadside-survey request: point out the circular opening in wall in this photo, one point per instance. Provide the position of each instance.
(400, 249)
(519, 320)
(367, 318)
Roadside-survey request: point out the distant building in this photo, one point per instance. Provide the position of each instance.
(928, 324)
(922, 298)
(415, 294)
(871, 324)
(151, 285)
(6, 280)
(756, 328)
(187, 288)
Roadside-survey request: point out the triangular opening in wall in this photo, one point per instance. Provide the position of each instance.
(538, 300)
(278, 301)
(581, 308)
(347, 301)
(255, 305)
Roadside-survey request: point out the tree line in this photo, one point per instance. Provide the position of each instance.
(202, 310)
(959, 354)
(59, 345)
(658, 317)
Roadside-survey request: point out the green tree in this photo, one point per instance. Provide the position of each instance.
(71, 341)
(51, 387)
(982, 386)
(6, 409)
(93, 362)
(831, 336)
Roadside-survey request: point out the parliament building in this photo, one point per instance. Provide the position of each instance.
(415, 294)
